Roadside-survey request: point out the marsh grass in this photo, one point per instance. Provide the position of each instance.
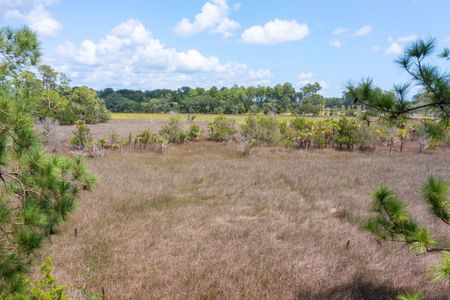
(200, 221)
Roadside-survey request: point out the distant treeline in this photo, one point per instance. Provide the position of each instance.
(280, 98)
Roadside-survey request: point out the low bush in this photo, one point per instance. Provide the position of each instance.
(44, 287)
(264, 130)
(346, 134)
(82, 136)
(173, 131)
(194, 133)
(148, 140)
(221, 129)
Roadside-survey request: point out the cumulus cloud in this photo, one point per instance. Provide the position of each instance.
(32, 13)
(213, 17)
(394, 48)
(396, 45)
(130, 55)
(309, 77)
(275, 32)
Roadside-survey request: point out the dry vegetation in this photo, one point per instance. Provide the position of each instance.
(200, 221)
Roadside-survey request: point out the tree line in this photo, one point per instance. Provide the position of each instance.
(281, 98)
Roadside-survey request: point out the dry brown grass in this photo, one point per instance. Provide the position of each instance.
(202, 222)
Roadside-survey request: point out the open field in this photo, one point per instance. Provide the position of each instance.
(200, 221)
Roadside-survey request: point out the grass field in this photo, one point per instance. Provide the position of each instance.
(200, 221)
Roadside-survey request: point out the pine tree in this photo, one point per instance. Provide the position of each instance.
(38, 190)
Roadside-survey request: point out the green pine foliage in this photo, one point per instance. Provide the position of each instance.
(435, 193)
(37, 190)
(442, 271)
(393, 222)
(413, 296)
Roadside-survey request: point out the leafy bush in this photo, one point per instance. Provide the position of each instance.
(194, 132)
(263, 130)
(148, 140)
(346, 134)
(366, 137)
(303, 131)
(173, 131)
(82, 136)
(221, 129)
(42, 288)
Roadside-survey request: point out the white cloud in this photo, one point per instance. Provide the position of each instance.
(32, 13)
(275, 32)
(344, 32)
(394, 48)
(396, 45)
(213, 17)
(340, 30)
(130, 55)
(362, 31)
(335, 43)
(309, 77)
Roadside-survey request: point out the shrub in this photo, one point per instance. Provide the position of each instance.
(303, 132)
(221, 129)
(264, 130)
(148, 140)
(114, 138)
(366, 137)
(82, 136)
(173, 131)
(323, 133)
(194, 132)
(42, 288)
(346, 133)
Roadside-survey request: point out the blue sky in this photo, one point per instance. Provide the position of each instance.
(169, 44)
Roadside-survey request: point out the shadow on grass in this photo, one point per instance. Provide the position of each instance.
(360, 289)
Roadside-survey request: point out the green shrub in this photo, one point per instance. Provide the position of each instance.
(264, 130)
(366, 137)
(148, 140)
(303, 132)
(194, 132)
(221, 129)
(173, 131)
(323, 133)
(82, 136)
(346, 134)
